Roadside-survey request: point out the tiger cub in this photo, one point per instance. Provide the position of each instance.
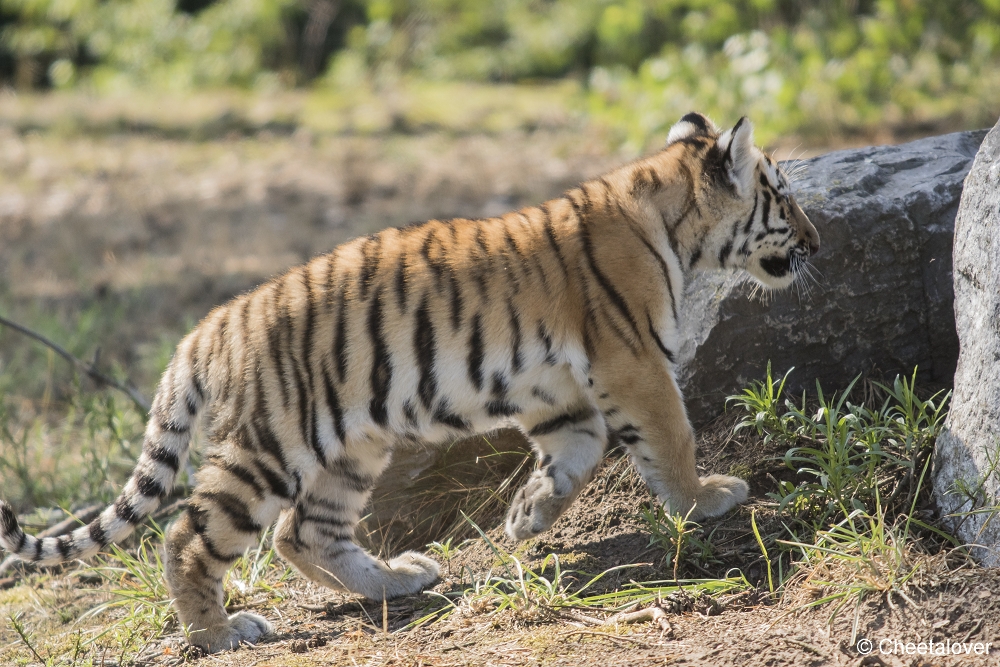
(560, 319)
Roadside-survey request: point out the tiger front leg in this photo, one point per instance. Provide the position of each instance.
(644, 408)
(570, 444)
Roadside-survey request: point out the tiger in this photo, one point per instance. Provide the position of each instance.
(559, 319)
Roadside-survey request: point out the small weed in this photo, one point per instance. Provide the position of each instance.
(445, 550)
(536, 595)
(847, 453)
(682, 541)
(257, 572)
(137, 586)
(26, 638)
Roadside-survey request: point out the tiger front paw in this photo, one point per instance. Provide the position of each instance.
(536, 506)
(241, 628)
(718, 495)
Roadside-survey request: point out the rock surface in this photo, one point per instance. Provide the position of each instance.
(967, 455)
(883, 300)
(881, 305)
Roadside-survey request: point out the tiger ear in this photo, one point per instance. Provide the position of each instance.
(692, 124)
(739, 155)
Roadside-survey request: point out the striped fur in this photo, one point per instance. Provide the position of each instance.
(560, 319)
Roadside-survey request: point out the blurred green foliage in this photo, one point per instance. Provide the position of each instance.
(814, 66)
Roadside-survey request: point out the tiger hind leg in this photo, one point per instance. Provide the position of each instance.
(570, 445)
(225, 516)
(317, 537)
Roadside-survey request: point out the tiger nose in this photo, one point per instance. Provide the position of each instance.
(809, 234)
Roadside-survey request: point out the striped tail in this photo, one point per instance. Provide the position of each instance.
(179, 399)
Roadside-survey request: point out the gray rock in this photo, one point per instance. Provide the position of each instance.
(883, 300)
(882, 303)
(967, 454)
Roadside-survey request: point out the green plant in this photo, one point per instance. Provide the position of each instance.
(532, 595)
(445, 550)
(256, 571)
(137, 586)
(844, 454)
(681, 540)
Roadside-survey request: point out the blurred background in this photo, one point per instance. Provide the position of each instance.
(819, 69)
(159, 156)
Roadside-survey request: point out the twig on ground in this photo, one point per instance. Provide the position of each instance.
(616, 638)
(652, 613)
(89, 369)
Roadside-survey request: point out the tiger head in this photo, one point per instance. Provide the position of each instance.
(752, 220)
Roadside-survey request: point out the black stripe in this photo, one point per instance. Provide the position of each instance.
(195, 384)
(149, 487)
(340, 338)
(766, 211)
(38, 550)
(663, 269)
(381, 375)
(97, 534)
(314, 442)
(550, 357)
(214, 552)
(456, 301)
(63, 545)
(239, 472)
(724, 252)
(543, 396)
(354, 480)
(444, 415)
(269, 442)
(20, 541)
(371, 253)
(659, 343)
(410, 413)
(126, 512)
(333, 403)
(171, 426)
(161, 455)
(550, 234)
(303, 516)
(560, 421)
(695, 119)
(233, 507)
(325, 503)
(628, 434)
(425, 347)
(695, 256)
(277, 485)
(753, 212)
(516, 359)
(654, 179)
(616, 298)
(401, 287)
(476, 353)
(274, 336)
(224, 338)
(498, 405)
(425, 252)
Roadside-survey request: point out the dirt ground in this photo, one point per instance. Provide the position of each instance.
(153, 231)
(744, 628)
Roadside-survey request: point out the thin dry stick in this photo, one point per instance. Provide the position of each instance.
(652, 613)
(618, 639)
(89, 369)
